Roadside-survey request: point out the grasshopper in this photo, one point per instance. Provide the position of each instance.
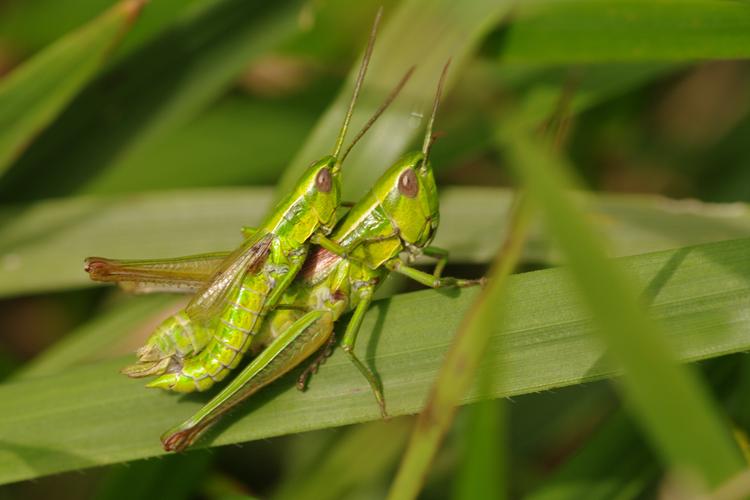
(399, 214)
(199, 345)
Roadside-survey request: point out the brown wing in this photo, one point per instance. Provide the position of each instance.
(181, 274)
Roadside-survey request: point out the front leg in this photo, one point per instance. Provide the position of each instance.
(330, 245)
(336, 249)
(441, 254)
(431, 280)
(345, 251)
(350, 338)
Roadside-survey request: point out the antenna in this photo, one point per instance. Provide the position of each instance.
(388, 100)
(358, 83)
(427, 144)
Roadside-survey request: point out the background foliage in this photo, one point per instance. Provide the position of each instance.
(142, 130)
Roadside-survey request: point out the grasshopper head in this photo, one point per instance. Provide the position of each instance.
(312, 205)
(322, 185)
(409, 196)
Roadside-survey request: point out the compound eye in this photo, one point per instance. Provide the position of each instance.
(407, 184)
(323, 181)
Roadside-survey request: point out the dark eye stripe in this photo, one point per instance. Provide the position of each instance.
(407, 184)
(323, 181)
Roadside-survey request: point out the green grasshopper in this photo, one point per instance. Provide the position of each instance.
(198, 346)
(399, 214)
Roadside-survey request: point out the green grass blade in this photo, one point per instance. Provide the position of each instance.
(613, 465)
(42, 245)
(247, 141)
(110, 227)
(382, 441)
(461, 363)
(170, 80)
(27, 28)
(482, 472)
(36, 92)
(429, 32)
(661, 392)
(615, 462)
(585, 31)
(87, 342)
(92, 415)
(595, 84)
(26, 25)
(175, 478)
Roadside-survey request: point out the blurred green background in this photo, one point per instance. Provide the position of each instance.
(161, 131)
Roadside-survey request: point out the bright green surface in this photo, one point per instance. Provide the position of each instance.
(174, 77)
(628, 30)
(672, 404)
(98, 336)
(459, 370)
(196, 125)
(32, 95)
(92, 415)
(42, 246)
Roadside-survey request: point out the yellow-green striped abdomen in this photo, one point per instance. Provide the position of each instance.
(234, 329)
(173, 340)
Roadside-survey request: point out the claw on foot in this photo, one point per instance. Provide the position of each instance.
(99, 268)
(313, 367)
(184, 435)
(383, 412)
(474, 282)
(179, 440)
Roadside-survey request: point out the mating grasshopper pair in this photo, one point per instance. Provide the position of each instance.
(270, 293)
(199, 346)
